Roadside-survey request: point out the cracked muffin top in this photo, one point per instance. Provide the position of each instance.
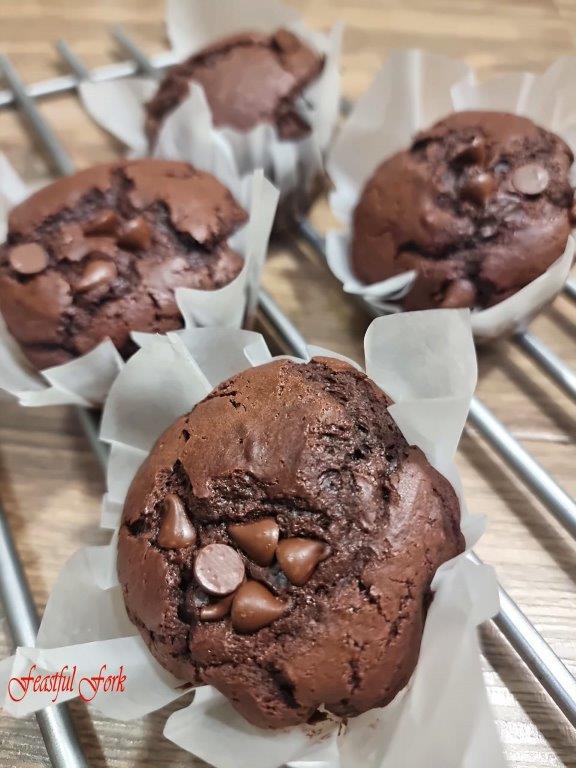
(479, 206)
(100, 253)
(248, 79)
(280, 540)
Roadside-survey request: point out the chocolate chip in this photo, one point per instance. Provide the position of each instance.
(72, 245)
(218, 569)
(530, 179)
(479, 188)
(460, 293)
(28, 259)
(96, 273)
(298, 558)
(104, 223)
(258, 540)
(255, 607)
(473, 153)
(176, 530)
(135, 234)
(216, 611)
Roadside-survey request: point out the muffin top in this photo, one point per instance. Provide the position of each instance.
(99, 254)
(479, 205)
(248, 79)
(280, 540)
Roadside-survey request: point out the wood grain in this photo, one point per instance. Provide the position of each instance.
(50, 483)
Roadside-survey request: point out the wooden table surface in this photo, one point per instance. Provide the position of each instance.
(50, 483)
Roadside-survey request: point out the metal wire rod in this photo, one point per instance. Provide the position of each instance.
(554, 498)
(73, 62)
(143, 62)
(548, 362)
(90, 423)
(535, 652)
(58, 156)
(570, 289)
(289, 336)
(55, 722)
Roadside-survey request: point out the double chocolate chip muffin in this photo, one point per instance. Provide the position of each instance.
(280, 540)
(100, 253)
(479, 206)
(248, 79)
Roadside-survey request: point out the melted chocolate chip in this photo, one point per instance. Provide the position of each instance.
(216, 611)
(530, 179)
(28, 259)
(98, 272)
(478, 189)
(135, 235)
(176, 530)
(298, 558)
(258, 540)
(218, 569)
(255, 607)
(104, 223)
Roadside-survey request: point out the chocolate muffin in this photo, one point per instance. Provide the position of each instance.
(280, 540)
(248, 79)
(479, 206)
(100, 253)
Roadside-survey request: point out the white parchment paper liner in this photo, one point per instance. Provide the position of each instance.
(85, 381)
(426, 362)
(188, 133)
(412, 91)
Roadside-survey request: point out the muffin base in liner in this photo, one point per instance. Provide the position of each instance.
(86, 380)
(412, 91)
(188, 132)
(426, 362)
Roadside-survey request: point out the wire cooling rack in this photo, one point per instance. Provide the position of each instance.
(55, 724)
